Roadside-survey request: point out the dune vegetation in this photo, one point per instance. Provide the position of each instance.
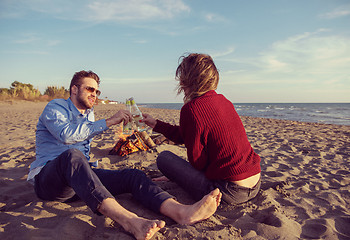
(26, 91)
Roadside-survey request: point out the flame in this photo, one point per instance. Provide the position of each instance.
(128, 144)
(121, 135)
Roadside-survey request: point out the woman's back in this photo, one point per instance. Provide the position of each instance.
(216, 139)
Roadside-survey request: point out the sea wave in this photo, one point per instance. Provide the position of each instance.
(330, 113)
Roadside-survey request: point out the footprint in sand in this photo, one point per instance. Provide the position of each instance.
(342, 226)
(314, 229)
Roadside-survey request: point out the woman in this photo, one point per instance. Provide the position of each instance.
(218, 150)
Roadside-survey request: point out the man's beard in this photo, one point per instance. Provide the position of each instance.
(84, 102)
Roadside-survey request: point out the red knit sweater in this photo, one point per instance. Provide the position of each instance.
(215, 138)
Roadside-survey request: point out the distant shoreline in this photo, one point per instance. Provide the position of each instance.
(322, 113)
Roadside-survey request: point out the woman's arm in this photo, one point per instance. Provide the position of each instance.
(171, 132)
(195, 138)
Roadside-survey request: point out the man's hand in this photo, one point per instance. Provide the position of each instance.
(120, 116)
(149, 120)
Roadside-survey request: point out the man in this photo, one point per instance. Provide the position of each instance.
(62, 167)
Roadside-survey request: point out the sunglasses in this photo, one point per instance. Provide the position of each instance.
(92, 90)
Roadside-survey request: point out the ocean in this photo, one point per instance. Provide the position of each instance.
(328, 113)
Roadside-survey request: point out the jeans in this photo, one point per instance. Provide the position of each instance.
(70, 174)
(197, 184)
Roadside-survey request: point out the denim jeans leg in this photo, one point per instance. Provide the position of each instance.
(135, 182)
(69, 174)
(181, 171)
(197, 185)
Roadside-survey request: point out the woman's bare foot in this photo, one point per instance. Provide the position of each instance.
(189, 214)
(144, 229)
(202, 209)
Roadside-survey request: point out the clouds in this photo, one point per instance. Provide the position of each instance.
(310, 53)
(214, 18)
(228, 51)
(100, 10)
(27, 38)
(310, 64)
(124, 10)
(260, 48)
(337, 13)
(31, 39)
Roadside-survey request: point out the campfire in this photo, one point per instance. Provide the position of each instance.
(138, 141)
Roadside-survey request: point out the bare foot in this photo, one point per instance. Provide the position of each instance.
(204, 208)
(189, 214)
(144, 229)
(140, 227)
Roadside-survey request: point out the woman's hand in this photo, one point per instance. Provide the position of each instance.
(120, 116)
(149, 120)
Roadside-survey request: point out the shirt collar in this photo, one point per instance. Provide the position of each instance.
(75, 110)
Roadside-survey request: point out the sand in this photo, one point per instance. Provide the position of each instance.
(305, 184)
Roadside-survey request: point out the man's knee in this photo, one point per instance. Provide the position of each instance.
(73, 156)
(136, 173)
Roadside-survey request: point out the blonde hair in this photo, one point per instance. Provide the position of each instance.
(197, 74)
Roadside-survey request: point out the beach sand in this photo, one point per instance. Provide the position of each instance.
(305, 184)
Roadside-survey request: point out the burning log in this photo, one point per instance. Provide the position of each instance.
(162, 139)
(134, 143)
(147, 139)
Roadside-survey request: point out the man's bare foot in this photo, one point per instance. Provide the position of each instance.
(144, 229)
(140, 227)
(189, 214)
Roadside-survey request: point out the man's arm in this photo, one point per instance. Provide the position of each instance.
(120, 116)
(69, 130)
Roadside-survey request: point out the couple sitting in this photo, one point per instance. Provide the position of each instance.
(221, 162)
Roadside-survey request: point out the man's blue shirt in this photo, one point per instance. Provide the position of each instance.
(61, 127)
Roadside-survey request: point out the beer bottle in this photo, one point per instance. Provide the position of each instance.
(137, 115)
(127, 128)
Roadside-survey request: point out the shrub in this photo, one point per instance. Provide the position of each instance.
(56, 92)
(24, 91)
(5, 94)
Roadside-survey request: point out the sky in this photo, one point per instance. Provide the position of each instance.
(265, 51)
